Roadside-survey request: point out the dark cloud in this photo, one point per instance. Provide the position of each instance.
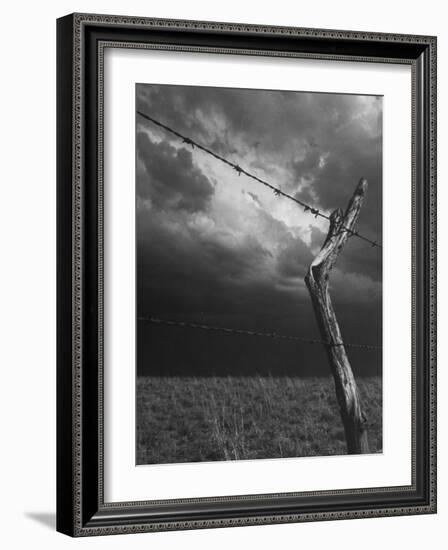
(171, 180)
(336, 147)
(294, 258)
(333, 181)
(188, 275)
(255, 198)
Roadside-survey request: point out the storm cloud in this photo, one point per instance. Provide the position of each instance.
(175, 182)
(219, 249)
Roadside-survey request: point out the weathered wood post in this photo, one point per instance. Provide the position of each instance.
(317, 281)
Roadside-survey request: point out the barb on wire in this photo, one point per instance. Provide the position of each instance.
(278, 192)
(169, 323)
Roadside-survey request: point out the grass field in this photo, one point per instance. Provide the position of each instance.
(191, 419)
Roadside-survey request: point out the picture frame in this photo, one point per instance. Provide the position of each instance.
(82, 509)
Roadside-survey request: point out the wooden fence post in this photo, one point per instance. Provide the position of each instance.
(317, 281)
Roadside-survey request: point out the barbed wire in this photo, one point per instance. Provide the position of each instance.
(201, 326)
(277, 192)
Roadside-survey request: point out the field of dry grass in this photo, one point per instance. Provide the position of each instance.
(191, 419)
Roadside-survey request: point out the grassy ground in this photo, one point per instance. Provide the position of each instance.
(190, 419)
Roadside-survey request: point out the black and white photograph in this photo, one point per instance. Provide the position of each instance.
(258, 274)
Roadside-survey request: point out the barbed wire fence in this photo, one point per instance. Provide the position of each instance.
(242, 332)
(279, 193)
(276, 190)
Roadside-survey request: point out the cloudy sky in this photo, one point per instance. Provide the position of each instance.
(221, 249)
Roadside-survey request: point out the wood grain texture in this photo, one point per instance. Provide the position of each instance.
(317, 281)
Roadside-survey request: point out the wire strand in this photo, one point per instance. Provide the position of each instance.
(201, 326)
